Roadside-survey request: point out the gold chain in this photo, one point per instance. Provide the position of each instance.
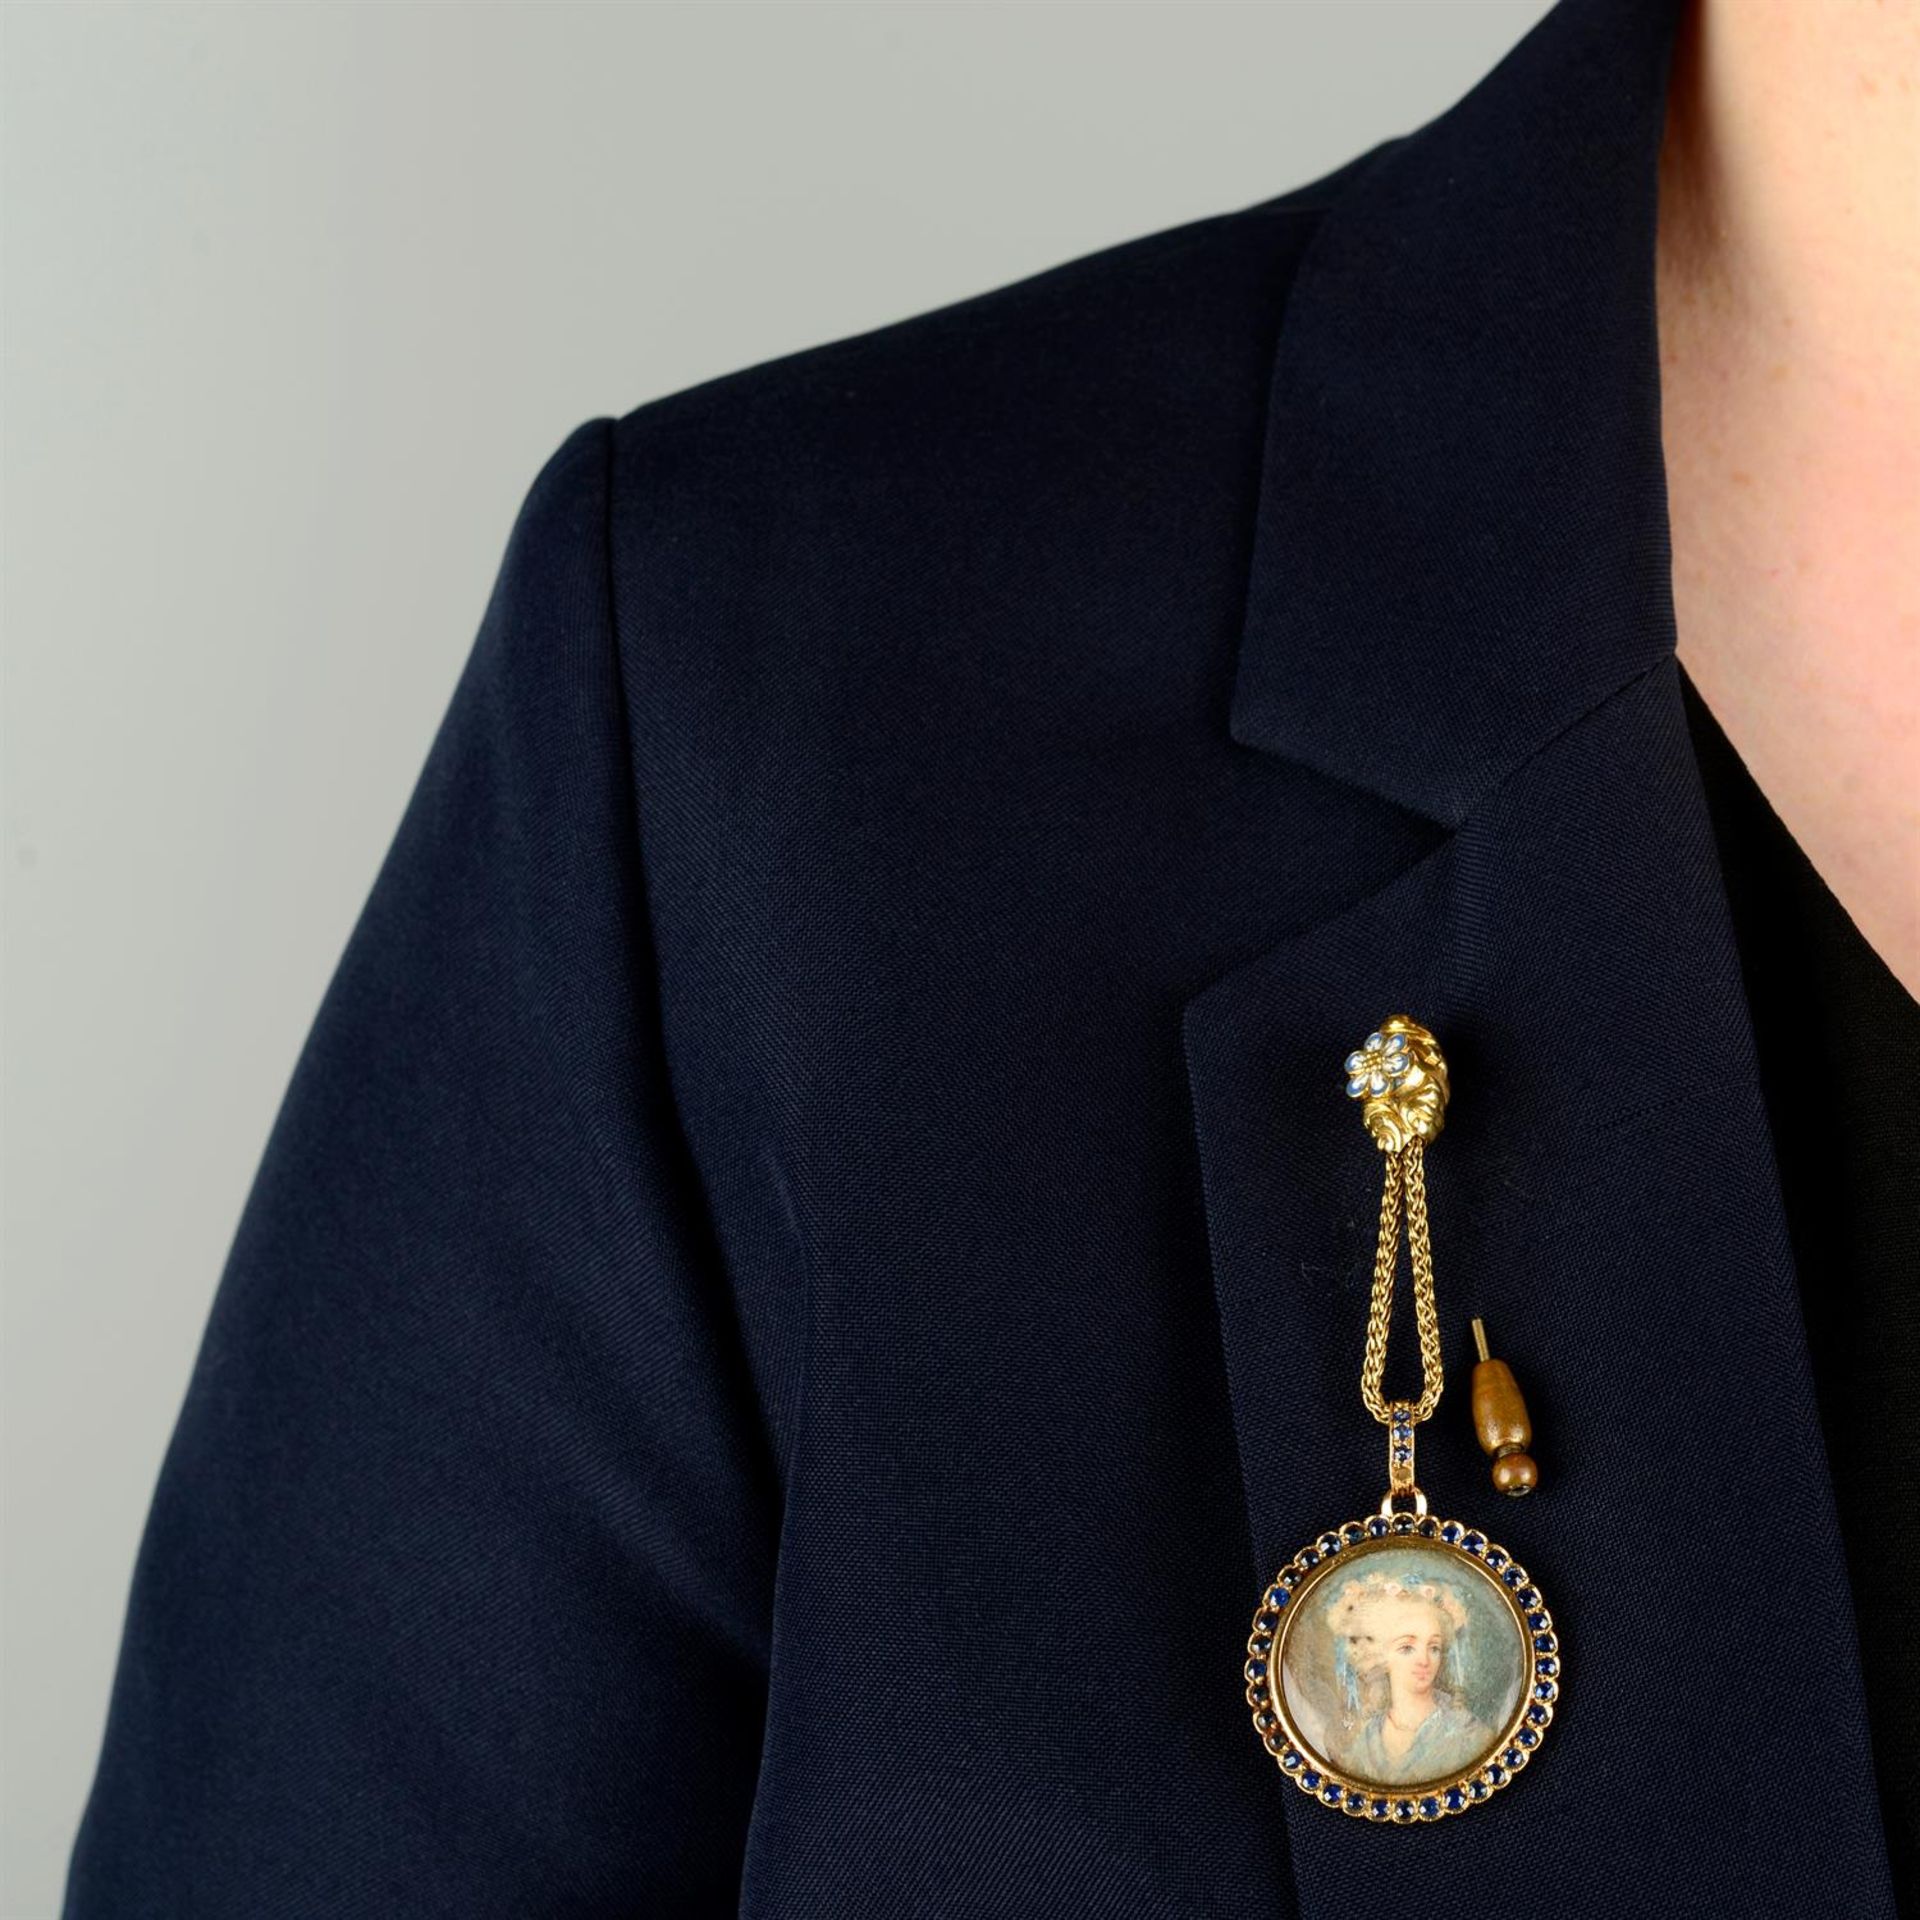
(1402, 1078)
(1405, 1177)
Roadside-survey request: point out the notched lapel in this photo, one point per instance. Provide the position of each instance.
(1604, 1194)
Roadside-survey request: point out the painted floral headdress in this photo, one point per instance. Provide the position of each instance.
(1350, 1607)
(1359, 1596)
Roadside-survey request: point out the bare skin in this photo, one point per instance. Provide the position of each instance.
(1414, 1635)
(1789, 305)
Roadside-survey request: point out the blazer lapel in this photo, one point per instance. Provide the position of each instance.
(1459, 601)
(1462, 458)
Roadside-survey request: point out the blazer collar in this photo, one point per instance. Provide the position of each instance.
(1463, 432)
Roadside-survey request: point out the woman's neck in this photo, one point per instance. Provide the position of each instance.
(1407, 1712)
(1791, 194)
(1788, 263)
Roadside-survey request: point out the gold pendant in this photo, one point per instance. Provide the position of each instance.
(1402, 1667)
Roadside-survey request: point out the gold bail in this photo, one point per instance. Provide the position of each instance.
(1400, 1077)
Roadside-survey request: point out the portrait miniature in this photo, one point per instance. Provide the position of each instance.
(1404, 1667)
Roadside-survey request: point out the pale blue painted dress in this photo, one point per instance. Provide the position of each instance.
(1449, 1741)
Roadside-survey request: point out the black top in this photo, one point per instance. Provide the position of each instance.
(1839, 1048)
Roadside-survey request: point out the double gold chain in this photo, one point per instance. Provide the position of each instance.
(1405, 1174)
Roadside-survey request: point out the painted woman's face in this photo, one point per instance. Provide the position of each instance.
(1415, 1639)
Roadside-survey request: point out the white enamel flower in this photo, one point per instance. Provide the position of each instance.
(1381, 1061)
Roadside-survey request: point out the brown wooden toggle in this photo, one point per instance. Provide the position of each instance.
(1500, 1420)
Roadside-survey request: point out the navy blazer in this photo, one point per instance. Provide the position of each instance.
(816, 1256)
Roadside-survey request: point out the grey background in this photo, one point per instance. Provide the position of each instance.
(296, 301)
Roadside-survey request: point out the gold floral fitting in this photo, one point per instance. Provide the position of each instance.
(1400, 1076)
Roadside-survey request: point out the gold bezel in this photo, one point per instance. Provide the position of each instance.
(1310, 1769)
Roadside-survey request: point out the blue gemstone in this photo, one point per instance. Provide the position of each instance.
(1308, 1557)
(1403, 1523)
(1263, 1721)
(1351, 1532)
(1474, 1542)
(1514, 1757)
(1430, 1807)
(1495, 1558)
(1455, 1799)
(1403, 1809)
(1531, 1598)
(1538, 1715)
(1331, 1795)
(1429, 1525)
(1477, 1789)
(1513, 1576)
(1355, 1798)
(1278, 1597)
(1378, 1809)
(1527, 1737)
(1377, 1527)
(1310, 1781)
(1256, 1669)
(1402, 1455)
(1450, 1532)
(1290, 1760)
(1536, 1618)
(1545, 1690)
(1543, 1643)
(1329, 1543)
(1496, 1775)
(1549, 1667)
(1267, 1622)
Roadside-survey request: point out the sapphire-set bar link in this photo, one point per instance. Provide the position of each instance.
(1400, 1449)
